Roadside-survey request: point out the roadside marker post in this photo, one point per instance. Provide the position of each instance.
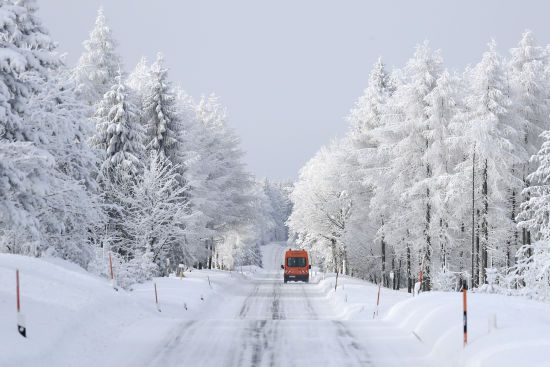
(465, 311)
(157, 298)
(21, 328)
(336, 283)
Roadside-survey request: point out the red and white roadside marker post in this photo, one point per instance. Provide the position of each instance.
(465, 311)
(21, 328)
(157, 298)
(111, 273)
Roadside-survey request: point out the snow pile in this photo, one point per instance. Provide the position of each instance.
(502, 330)
(76, 319)
(521, 334)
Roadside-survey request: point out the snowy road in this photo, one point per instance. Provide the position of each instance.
(268, 323)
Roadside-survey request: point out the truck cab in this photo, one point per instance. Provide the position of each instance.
(296, 266)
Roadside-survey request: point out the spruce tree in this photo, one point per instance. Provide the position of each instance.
(99, 65)
(119, 135)
(160, 114)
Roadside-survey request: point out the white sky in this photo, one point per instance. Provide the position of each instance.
(290, 70)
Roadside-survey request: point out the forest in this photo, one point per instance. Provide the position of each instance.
(97, 162)
(442, 177)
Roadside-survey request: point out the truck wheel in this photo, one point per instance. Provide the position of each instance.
(286, 280)
(306, 279)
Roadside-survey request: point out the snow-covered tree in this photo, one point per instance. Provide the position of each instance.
(529, 91)
(447, 227)
(489, 130)
(226, 190)
(368, 115)
(160, 113)
(155, 219)
(57, 123)
(99, 65)
(278, 195)
(533, 268)
(406, 134)
(22, 192)
(26, 49)
(48, 181)
(139, 78)
(119, 136)
(322, 206)
(368, 112)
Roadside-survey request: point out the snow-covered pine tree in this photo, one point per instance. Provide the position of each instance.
(119, 136)
(99, 64)
(157, 222)
(227, 189)
(529, 90)
(23, 186)
(368, 115)
(447, 225)
(406, 135)
(160, 114)
(488, 131)
(59, 125)
(139, 77)
(533, 268)
(119, 140)
(322, 206)
(20, 28)
(45, 183)
(369, 109)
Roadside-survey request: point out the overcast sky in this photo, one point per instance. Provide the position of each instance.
(290, 70)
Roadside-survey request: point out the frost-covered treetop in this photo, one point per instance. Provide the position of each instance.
(527, 50)
(367, 112)
(99, 64)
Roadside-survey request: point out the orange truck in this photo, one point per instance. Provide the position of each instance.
(296, 265)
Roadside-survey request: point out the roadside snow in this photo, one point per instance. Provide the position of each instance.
(74, 318)
(77, 319)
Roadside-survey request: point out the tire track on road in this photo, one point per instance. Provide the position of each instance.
(309, 307)
(349, 345)
(247, 302)
(172, 342)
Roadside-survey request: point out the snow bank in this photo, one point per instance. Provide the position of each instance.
(76, 319)
(521, 336)
(521, 325)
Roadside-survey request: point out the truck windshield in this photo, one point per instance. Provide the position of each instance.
(296, 262)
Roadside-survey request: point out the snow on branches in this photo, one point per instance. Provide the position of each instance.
(435, 167)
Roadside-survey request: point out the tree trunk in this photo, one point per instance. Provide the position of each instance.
(426, 284)
(476, 262)
(484, 226)
(474, 282)
(409, 271)
(334, 254)
(383, 245)
(210, 251)
(398, 275)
